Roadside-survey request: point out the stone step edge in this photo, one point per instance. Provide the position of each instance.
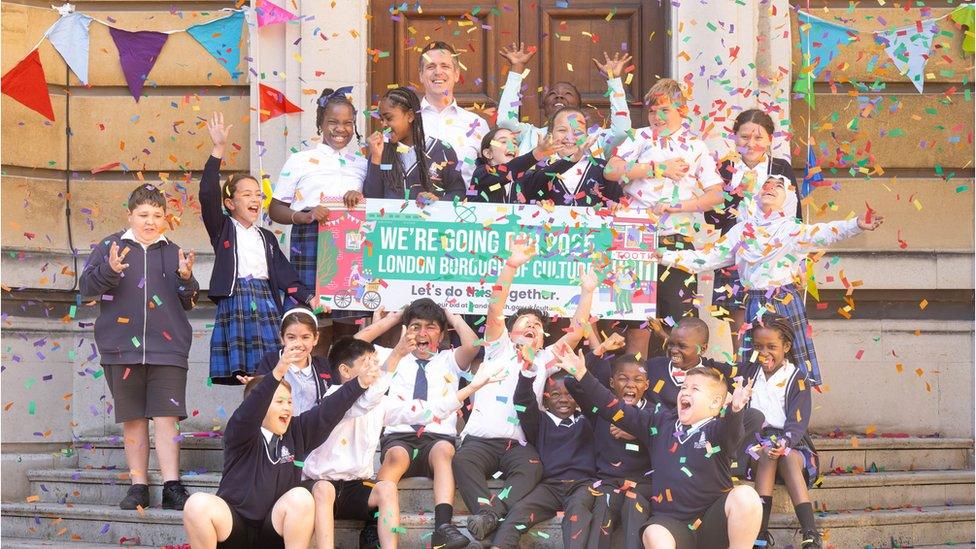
(212, 479)
(854, 518)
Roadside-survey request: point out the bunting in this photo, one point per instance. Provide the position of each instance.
(273, 103)
(909, 49)
(819, 43)
(138, 52)
(965, 16)
(222, 39)
(269, 13)
(69, 35)
(26, 84)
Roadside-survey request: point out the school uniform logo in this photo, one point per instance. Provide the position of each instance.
(287, 457)
(701, 443)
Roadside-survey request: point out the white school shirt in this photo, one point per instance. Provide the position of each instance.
(749, 206)
(350, 450)
(129, 235)
(309, 177)
(529, 135)
(645, 192)
(251, 261)
(769, 395)
(442, 382)
(459, 129)
(784, 250)
(493, 412)
(304, 387)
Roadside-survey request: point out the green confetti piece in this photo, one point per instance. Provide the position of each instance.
(519, 408)
(632, 447)
(98, 374)
(157, 300)
(686, 471)
(72, 311)
(135, 342)
(415, 452)
(29, 383)
(299, 464)
(31, 407)
(504, 493)
(209, 382)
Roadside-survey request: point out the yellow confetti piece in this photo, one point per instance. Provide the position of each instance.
(923, 304)
(658, 386)
(618, 416)
(569, 67)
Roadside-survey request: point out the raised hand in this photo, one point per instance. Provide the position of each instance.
(186, 264)
(370, 373)
(522, 250)
(375, 141)
(545, 148)
(572, 363)
(614, 66)
(407, 343)
(870, 221)
(620, 434)
(611, 344)
(218, 133)
(588, 279)
(244, 379)
(291, 356)
(583, 149)
(518, 57)
(352, 199)
(115, 259)
(742, 394)
(491, 371)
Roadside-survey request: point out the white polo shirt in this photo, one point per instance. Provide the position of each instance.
(459, 129)
(251, 261)
(769, 395)
(645, 192)
(309, 177)
(442, 383)
(493, 412)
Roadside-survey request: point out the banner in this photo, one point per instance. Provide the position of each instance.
(909, 49)
(269, 13)
(391, 253)
(138, 52)
(819, 43)
(273, 103)
(26, 84)
(222, 39)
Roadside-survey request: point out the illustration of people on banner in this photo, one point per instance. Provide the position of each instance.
(390, 253)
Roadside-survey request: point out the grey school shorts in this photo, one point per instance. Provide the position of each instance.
(146, 391)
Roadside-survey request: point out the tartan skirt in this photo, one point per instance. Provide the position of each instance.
(246, 327)
(786, 301)
(804, 447)
(304, 251)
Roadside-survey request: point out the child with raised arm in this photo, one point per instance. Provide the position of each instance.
(492, 439)
(785, 451)
(767, 249)
(669, 170)
(426, 373)
(259, 503)
(694, 503)
(144, 284)
(339, 473)
(250, 272)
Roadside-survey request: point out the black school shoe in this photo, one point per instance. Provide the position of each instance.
(811, 540)
(369, 536)
(483, 524)
(174, 496)
(137, 496)
(447, 536)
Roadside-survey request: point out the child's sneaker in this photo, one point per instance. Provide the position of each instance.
(174, 495)
(138, 496)
(447, 536)
(481, 526)
(811, 540)
(765, 539)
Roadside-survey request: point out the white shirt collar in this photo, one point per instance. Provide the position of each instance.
(241, 226)
(557, 420)
(129, 235)
(428, 106)
(326, 149)
(267, 434)
(694, 427)
(306, 371)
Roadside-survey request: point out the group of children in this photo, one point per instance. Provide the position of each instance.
(617, 442)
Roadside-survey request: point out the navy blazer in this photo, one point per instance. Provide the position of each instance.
(444, 175)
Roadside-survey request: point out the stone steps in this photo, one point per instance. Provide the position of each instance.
(25, 543)
(156, 527)
(837, 492)
(849, 453)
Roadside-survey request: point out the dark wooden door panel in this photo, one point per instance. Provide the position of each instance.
(477, 34)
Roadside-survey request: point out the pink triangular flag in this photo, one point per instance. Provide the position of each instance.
(269, 14)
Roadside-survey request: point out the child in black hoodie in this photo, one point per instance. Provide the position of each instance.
(144, 283)
(259, 503)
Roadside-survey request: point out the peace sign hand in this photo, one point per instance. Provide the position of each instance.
(614, 66)
(742, 394)
(115, 259)
(186, 264)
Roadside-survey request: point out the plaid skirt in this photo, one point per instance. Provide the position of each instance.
(304, 250)
(246, 327)
(785, 301)
(811, 461)
(728, 291)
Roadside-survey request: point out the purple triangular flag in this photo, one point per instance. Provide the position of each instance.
(138, 52)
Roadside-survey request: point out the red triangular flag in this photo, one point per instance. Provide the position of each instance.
(273, 103)
(26, 84)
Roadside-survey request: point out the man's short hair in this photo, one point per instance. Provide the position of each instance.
(257, 380)
(665, 90)
(438, 45)
(146, 194)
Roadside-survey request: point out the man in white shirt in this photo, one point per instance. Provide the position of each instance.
(492, 439)
(426, 373)
(457, 128)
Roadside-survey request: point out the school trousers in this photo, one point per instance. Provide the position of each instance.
(479, 458)
(573, 497)
(624, 511)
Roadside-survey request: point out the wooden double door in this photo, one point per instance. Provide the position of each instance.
(568, 34)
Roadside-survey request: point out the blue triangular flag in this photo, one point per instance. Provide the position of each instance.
(222, 39)
(69, 35)
(909, 49)
(810, 178)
